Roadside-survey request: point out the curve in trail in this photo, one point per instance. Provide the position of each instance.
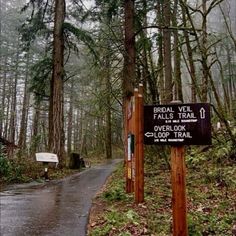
(57, 208)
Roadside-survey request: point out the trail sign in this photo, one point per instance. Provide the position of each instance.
(177, 124)
(46, 157)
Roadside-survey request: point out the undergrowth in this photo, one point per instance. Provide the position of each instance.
(211, 196)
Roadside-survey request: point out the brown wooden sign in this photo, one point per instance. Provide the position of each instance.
(177, 124)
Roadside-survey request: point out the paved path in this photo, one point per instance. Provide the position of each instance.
(57, 208)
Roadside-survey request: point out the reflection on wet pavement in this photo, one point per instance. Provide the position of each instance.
(59, 208)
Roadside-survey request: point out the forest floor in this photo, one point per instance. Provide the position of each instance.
(211, 204)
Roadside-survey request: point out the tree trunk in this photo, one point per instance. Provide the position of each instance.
(56, 136)
(108, 139)
(129, 62)
(129, 54)
(35, 130)
(190, 58)
(148, 71)
(3, 105)
(76, 136)
(70, 119)
(24, 114)
(0, 31)
(5, 130)
(160, 53)
(204, 59)
(177, 57)
(230, 83)
(221, 113)
(167, 53)
(12, 124)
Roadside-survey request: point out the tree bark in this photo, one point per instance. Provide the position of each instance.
(160, 53)
(56, 135)
(168, 96)
(190, 58)
(24, 113)
(35, 130)
(70, 119)
(108, 142)
(204, 57)
(3, 105)
(177, 58)
(129, 54)
(12, 124)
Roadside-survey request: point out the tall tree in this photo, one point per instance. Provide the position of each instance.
(178, 95)
(13, 117)
(129, 53)
(189, 61)
(70, 118)
(167, 51)
(56, 131)
(25, 109)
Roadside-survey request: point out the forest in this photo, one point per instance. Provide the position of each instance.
(67, 70)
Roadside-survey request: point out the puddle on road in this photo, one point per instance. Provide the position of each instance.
(57, 206)
(12, 193)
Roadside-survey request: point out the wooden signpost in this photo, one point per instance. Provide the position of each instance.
(134, 148)
(138, 152)
(177, 125)
(174, 124)
(179, 199)
(46, 158)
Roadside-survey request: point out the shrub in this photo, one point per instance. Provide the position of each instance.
(5, 166)
(11, 171)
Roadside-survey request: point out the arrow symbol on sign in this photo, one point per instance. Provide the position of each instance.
(149, 134)
(202, 113)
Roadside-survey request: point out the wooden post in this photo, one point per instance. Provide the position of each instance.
(138, 155)
(46, 176)
(140, 147)
(128, 186)
(131, 130)
(134, 124)
(178, 181)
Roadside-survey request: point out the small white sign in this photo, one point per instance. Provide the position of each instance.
(46, 157)
(129, 148)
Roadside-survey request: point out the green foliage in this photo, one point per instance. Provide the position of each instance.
(12, 171)
(210, 193)
(35, 143)
(115, 221)
(223, 149)
(82, 35)
(220, 152)
(195, 157)
(16, 173)
(115, 195)
(35, 24)
(156, 157)
(116, 190)
(156, 223)
(101, 231)
(110, 7)
(5, 167)
(221, 176)
(40, 83)
(200, 223)
(194, 227)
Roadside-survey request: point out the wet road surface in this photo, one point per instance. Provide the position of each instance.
(56, 208)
